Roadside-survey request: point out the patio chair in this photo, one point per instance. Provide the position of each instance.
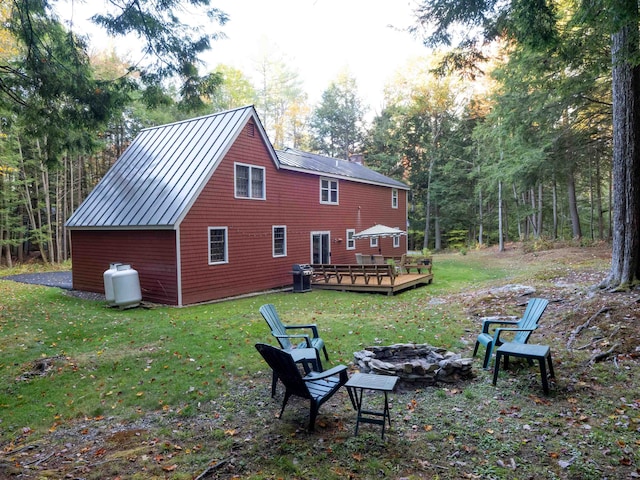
(522, 329)
(379, 260)
(279, 330)
(317, 387)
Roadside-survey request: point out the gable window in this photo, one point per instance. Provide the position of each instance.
(351, 242)
(328, 191)
(279, 236)
(394, 198)
(249, 181)
(218, 248)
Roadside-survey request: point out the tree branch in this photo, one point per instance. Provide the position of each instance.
(579, 328)
(601, 356)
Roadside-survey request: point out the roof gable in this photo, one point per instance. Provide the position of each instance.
(293, 159)
(161, 174)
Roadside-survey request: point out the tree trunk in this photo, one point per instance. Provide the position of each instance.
(626, 149)
(428, 206)
(48, 228)
(500, 234)
(533, 218)
(610, 196)
(5, 224)
(27, 200)
(515, 196)
(539, 215)
(599, 199)
(41, 229)
(480, 212)
(427, 221)
(573, 205)
(505, 219)
(437, 234)
(7, 250)
(555, 209)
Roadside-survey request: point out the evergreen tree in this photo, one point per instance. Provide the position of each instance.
(235, 90)
(337, 122)
(279, 96)
(536, 26)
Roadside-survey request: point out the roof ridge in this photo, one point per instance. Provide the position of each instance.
(305, 153)
(201, 117)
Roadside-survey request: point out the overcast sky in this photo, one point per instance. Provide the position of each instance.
(318, 38)
(321, 38)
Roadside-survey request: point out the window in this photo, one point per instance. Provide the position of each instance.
(279, 236)
(373, 241)
(394, 198)
(328, 191)
(396, 241)
(351, 242)
(249, 181)
(218, 245)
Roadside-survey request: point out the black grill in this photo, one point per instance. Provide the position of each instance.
(301, 277)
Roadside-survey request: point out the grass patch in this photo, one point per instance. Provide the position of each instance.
(170, 392)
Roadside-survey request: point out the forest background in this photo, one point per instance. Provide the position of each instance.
(510, 142)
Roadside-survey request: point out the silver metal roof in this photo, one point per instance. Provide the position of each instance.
(292, 159)
(158, 178)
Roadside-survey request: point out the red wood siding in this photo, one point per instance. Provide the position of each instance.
(151, 253)
(292, 200)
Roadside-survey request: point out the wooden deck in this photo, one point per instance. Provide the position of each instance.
(401, 282)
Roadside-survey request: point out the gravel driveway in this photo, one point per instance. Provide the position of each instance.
(48, 279)
(53, 279)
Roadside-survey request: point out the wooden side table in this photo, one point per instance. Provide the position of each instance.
(541, 353)
(367, 381)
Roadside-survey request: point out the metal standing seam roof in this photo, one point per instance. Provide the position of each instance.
(293, 159)
(157, 179)
(161, 174)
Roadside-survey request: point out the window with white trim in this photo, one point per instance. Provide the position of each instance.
(249, 181)
(218, 248)
(351, 242)
(396, 241)
(394, 198)
(279, 238)
(328, 191)
(373, 241)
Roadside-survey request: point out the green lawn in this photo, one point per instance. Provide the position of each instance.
(178, 389)
(109, 361)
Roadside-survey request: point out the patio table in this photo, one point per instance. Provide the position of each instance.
(367, 381)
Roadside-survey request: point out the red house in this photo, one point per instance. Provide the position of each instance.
(206, 209)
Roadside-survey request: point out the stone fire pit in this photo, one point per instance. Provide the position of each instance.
(421, 364)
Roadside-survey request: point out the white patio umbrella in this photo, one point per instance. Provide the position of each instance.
(379, 231)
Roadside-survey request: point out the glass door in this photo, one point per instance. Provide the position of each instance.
(320, 243)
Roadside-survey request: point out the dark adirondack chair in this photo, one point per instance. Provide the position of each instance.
(317, 387)
(285, 339)
(522, 329)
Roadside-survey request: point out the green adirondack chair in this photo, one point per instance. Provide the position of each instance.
(285, 339)
(521, 328)
(317, 387)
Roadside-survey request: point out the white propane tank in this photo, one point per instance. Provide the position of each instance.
(126, 286)
(108, 282)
